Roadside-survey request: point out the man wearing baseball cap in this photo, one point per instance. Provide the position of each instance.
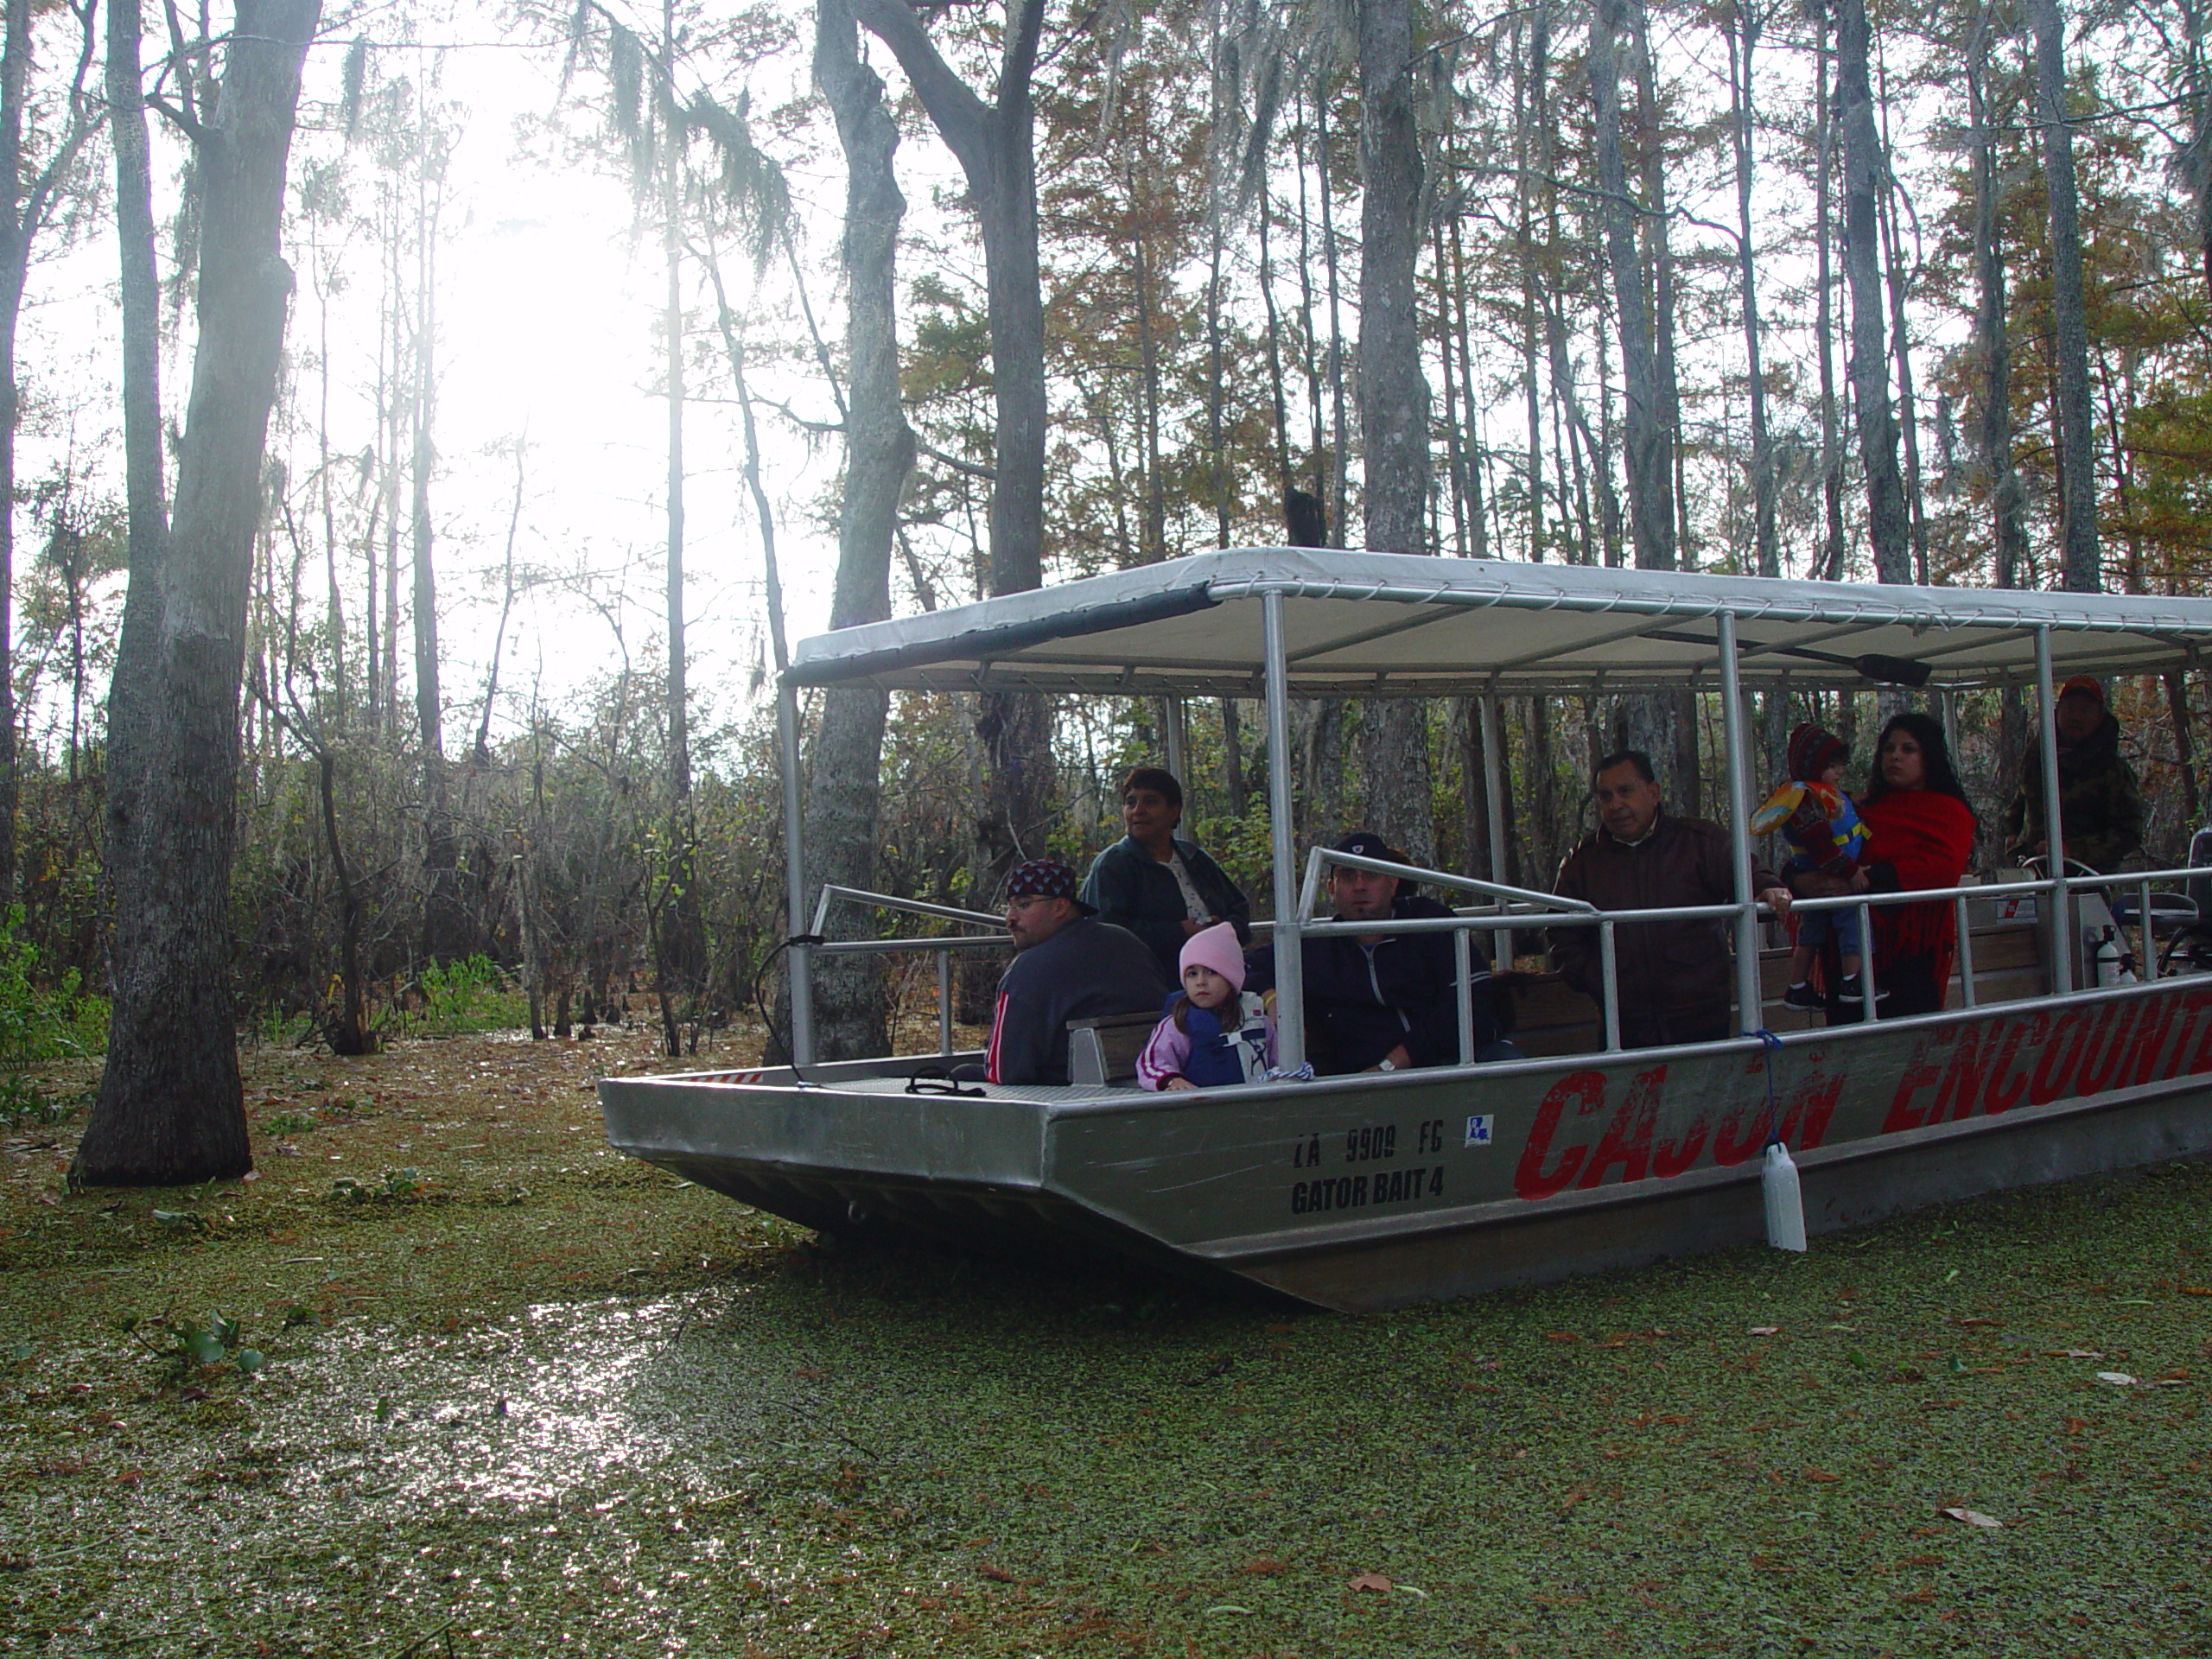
(2099, 803)
(1070, 966)
(1384, 1001)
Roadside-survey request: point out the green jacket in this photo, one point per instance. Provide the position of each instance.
(1130, 888)
(2099, 806)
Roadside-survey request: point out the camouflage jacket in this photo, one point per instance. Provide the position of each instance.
(2099, 806)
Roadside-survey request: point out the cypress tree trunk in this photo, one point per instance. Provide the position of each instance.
(1863, 166)
(1766, 552)
(1830, 565)
(1901, 350)
(1338, 494)
(1478, 461)
(1528, 135)
(843, 788)
(441, 929)
(1652, 721)
(995, 145)
(1659, 258)
(2001, 479)
(1645, 437)
(679, 934)
(170, 1108)
(144, 488)
(2070, 343)
(1393, 396)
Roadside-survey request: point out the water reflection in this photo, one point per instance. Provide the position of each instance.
(563, 1399)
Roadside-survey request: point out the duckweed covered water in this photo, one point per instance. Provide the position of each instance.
(522, 1431)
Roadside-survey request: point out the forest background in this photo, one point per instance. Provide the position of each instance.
(606, 339)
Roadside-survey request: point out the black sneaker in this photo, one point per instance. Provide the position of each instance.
(1802, 995)
(1852, 990)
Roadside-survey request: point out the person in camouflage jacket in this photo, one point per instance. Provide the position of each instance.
(2099, 805)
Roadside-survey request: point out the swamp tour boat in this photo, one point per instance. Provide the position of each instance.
(1373, 1190)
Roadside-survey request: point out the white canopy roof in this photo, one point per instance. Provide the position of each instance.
(1393, 624)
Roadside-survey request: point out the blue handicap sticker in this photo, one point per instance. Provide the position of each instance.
(1478, 1131)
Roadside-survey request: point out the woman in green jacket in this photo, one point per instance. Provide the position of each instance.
(1152, 881)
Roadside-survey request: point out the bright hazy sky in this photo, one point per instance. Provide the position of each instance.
(549, 325)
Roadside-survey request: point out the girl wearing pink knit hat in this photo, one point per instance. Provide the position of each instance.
(1212, 1031)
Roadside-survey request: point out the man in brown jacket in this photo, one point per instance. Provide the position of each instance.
(1676, 979)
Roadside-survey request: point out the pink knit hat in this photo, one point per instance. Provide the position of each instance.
(1216, 947)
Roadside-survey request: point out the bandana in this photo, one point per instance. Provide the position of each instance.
(1044, 878)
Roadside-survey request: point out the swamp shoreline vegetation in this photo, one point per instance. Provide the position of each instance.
(519, 1394)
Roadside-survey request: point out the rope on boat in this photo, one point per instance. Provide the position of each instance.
(767, 1017)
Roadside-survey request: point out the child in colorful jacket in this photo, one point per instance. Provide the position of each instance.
(1816, 818)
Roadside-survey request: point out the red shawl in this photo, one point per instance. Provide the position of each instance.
(1927, 837)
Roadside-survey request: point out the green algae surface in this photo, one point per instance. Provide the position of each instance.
(518, 1395)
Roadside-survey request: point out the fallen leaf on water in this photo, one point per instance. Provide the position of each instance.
(1972, 1517)
(2118, 1379)
(1374, 1581)
(1762, 1330)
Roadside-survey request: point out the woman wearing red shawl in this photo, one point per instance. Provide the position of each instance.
(1921, 834)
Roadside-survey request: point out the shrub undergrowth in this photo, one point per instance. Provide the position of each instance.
(39, 1023)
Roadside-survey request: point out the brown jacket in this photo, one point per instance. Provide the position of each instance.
(1674, 975)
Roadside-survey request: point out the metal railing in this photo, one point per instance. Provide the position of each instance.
(1517, 908)
(1549, 905)
(942, 944)
(1558, 912)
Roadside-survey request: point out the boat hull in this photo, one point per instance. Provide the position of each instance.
(1375, 1192)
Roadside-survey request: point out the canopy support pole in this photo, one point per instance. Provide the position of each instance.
(1494, 794)
(1171, 709)
(1290, 965)
(801, 965)
(1750, 1011)
(2054, 832)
